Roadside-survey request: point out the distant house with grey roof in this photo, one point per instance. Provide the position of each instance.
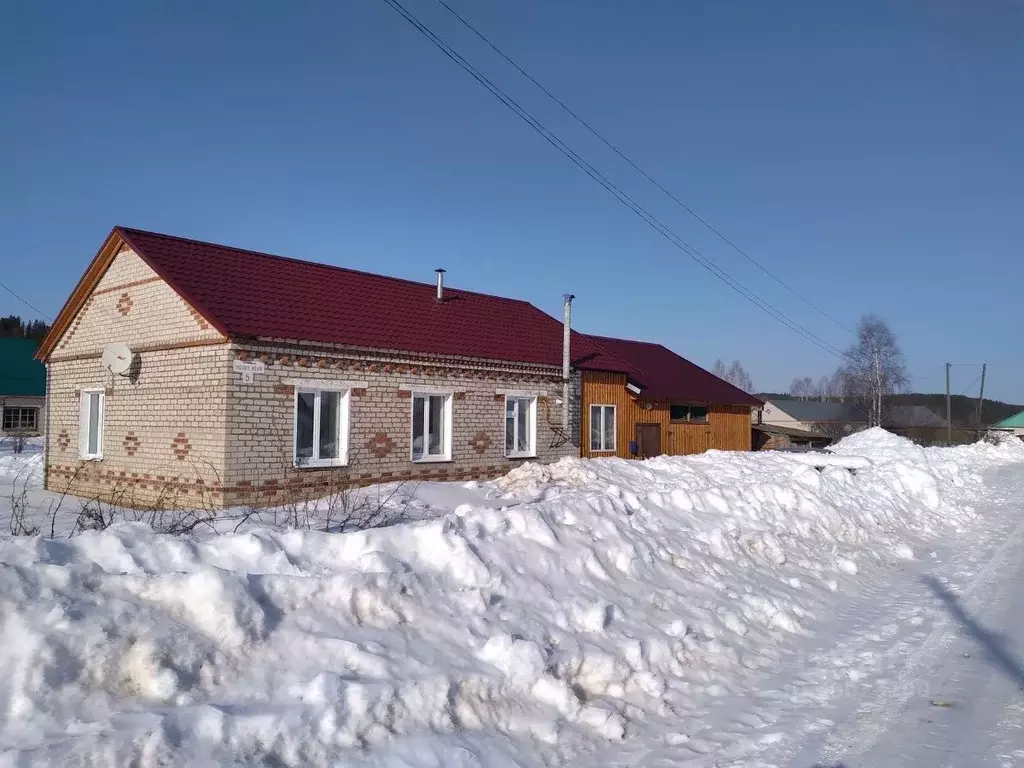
(833, 419)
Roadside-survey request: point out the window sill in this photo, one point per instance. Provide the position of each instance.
(691, 423)
(432, 460)
(95, 457)
(602, 450)
(521, 455)
(321, 464)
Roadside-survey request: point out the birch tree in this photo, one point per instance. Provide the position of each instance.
(802, 388)
(874, 367)
(734, 373)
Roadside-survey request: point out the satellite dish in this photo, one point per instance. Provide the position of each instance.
(117, 358)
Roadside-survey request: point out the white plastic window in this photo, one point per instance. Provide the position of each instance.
(520, 427)
(321, 427)
(90, 423)
(602, 428)
(431, 427)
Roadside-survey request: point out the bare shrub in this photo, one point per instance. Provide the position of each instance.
(20, 523)
(343, 508)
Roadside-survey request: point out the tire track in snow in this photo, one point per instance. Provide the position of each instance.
(856, 737)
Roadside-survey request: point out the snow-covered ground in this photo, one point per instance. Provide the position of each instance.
(696, 611)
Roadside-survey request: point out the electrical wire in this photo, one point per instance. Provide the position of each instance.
(641, 171)
(609, 186)
(26, 303)
(969, 386)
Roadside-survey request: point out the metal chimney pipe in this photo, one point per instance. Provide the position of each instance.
(440, 284)
(566, 336)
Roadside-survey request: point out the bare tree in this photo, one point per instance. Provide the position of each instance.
(734, 373)
(875, 367)
(803, 388)
(824, 388)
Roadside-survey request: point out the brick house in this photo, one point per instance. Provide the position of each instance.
(255, 378)
(260, 378)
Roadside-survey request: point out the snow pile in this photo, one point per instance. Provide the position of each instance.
(587, 604)
(26, 467)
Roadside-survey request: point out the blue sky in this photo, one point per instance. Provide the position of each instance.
(868, 153)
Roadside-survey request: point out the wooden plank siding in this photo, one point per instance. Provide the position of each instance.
(728, 426)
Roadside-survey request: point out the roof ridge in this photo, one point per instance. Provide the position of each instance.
(296, 260)
(594, 339)
(631, 341)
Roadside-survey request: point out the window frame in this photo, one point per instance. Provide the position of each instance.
(18, 424)
(688, 420)
(531, 427)
(446, 434)
(615, 427)
(314, 462)
(84, 420)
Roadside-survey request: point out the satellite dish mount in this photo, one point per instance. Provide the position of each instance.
(118, 358)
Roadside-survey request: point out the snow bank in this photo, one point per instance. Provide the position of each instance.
(585, 604)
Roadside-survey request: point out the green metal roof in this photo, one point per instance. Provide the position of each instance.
(21, 375)
(1016, 420)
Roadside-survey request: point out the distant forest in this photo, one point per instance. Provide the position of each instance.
(964, 407)
(13, 326)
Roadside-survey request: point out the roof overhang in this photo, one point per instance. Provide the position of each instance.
(87, 283)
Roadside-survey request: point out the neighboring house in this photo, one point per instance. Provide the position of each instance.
(663, 404)
(1013, 424)
(255, 379)
(22, 388)
(771, 437)
(833, 420)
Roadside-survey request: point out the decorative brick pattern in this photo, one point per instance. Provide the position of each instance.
(158, 313)
(480, 443)
(181, 446)
(69, 335)
(199, 319)
(63, 440)
(124, 304)
(380, 445)
(131, 444)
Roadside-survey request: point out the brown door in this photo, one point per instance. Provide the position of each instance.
(648, 440)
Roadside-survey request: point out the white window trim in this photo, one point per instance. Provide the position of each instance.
(83, 423)
(531, 427)
(615, 427)
(425, 390)
(315, 463)
(448, 396)
(522, 392)
(329, 385)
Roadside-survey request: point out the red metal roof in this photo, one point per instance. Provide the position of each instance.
(664, 375)
(247, 293)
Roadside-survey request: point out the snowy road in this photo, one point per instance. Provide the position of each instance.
(927, 670)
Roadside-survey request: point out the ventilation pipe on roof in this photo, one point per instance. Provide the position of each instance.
(440, 284)
(566, 334)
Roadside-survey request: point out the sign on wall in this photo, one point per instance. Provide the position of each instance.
(248, 369)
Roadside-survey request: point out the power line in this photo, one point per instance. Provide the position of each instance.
(610, 186)
(970, 385)
(640, 170)
(26, 303)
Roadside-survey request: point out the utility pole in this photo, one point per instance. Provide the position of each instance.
(949, 410)
(981, 399)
